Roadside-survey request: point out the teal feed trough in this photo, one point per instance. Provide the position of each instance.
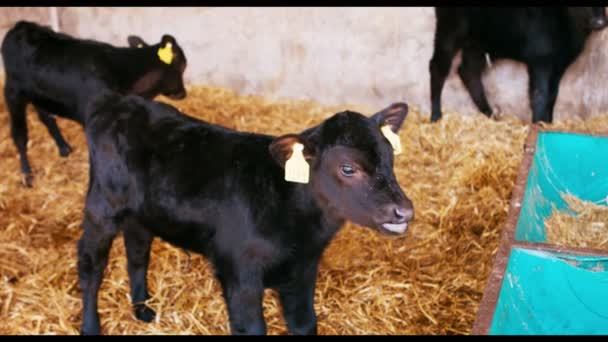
(545, 293)
(563, 163)
(537, 288)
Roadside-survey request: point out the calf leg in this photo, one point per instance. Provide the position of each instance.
(470, 71)
(137, 242)
(51, 125)
(439, 68)
(448, 40)
(16, 104)
(243, 291)
(543, 89)
(554, 80)
(93, 249)
(297, 300)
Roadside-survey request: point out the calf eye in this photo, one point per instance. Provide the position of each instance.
(347, 170)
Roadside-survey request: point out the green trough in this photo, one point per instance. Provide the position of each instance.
(537, 288)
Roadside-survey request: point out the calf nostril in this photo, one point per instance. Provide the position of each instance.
(404, 214)
(400, 212)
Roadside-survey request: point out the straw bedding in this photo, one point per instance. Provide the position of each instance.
(458, 172)
(588, 227)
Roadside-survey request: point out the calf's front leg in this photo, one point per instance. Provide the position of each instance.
(243, 292)
(51, 125)
(297, 300)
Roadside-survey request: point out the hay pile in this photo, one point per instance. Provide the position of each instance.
(458, 172)
(587, 228)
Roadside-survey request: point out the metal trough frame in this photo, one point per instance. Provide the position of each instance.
(487, 307)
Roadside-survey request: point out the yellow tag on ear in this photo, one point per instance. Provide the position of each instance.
(166, 53)
(392, 138)
(140, 45)
(296, 167)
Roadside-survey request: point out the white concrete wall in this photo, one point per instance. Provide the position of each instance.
(370, 56)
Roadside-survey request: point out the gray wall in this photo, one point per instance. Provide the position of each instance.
(368, 56)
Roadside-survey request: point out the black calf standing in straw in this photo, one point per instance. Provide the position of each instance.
(58, 74)
(261, 208)
(546, 39)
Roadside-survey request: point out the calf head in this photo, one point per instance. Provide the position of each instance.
(351, 173)
(166, 75)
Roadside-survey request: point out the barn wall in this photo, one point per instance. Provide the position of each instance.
(369, 56)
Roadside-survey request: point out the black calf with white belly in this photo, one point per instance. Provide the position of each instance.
(222, 193)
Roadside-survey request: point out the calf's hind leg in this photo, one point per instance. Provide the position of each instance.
(450, 35)
(137, 243)
(543, 89)
(16, 103)
(470, 72)
(93, 249)
(51, 125)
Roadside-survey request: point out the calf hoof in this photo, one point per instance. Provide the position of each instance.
(144, 313)
(27, 179)
(308, 327)
(65, 151)
(91, 330)
(495, 113)
(309, 331)
(435, 118)
(252, 329)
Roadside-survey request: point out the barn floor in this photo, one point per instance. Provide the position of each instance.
(459, 174)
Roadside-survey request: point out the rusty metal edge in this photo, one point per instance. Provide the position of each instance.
(548, 247)
(572, 131)
(487, 306)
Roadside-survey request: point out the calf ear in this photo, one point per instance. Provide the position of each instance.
(135, 41)
(282, 147)
(393, 115)
(167, 38)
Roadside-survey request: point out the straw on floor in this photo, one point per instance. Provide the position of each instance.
(587, 227)
(459, 173)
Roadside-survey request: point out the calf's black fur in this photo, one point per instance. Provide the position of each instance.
(221, 193)
(546, 39)
(59, 74)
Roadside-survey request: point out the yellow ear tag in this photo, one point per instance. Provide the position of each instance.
(392, 138)
(296, 167)
(140, 45)
(166, 53)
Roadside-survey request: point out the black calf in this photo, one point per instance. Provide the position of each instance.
(546, 39)
(58, 74)
(222, 193)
